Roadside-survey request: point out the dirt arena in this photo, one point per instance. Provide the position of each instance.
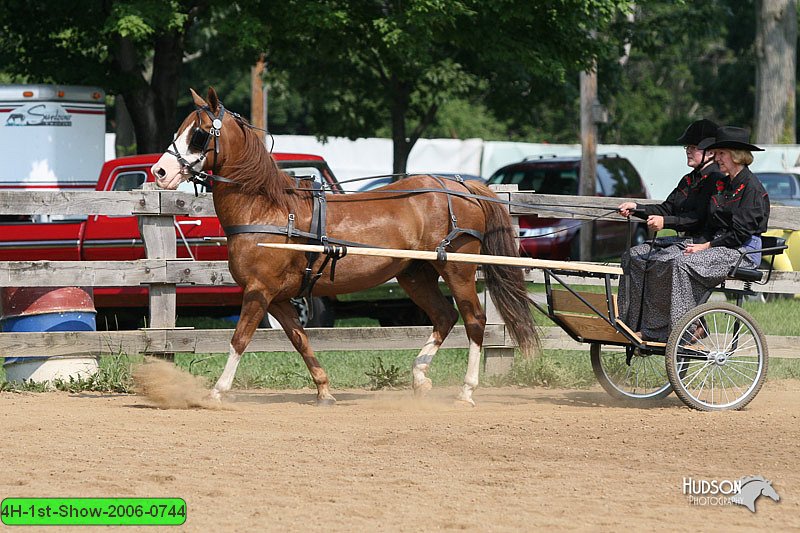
(524, 458)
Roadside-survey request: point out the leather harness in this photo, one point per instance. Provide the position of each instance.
(334, 249)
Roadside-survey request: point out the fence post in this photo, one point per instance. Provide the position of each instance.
(158, 234)
(497, 360)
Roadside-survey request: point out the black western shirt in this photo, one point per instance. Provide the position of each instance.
(738, 209)
(686, 206)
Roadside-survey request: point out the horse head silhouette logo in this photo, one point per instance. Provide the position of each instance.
(752, 488)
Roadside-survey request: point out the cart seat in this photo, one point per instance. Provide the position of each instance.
(769, 246)
(745, 274)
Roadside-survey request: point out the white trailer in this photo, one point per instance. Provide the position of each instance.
(53, 136)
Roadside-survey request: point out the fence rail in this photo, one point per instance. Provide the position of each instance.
(162, 271)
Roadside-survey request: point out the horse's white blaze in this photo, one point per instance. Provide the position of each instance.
(471, 378)
(423, 361)
(225, 381)
(167, 169)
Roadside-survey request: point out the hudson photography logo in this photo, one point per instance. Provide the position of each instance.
(744, 491)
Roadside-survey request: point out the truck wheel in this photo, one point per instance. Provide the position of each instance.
(413, 316)
(639, 236)
(319, 314)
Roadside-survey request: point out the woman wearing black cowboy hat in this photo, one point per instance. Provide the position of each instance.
(738, 213)
(684, 210)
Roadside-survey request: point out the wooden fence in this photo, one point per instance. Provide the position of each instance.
(162, 271)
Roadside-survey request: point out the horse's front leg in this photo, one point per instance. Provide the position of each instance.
(254, 307)
(286, 314)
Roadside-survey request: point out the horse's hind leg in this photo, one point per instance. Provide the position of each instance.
(254, 307)
(421, 284)
(286, 314)
(461, 280)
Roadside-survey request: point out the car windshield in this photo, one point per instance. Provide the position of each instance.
(778, 185)
(544, 179)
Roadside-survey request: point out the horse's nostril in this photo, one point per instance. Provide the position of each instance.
(159, 172)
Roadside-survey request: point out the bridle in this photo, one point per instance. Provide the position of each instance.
(199, 141)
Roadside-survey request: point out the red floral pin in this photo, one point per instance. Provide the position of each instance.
(720, 186)
(739, 189)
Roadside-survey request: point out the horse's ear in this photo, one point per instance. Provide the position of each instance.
(198, 100)
(213, 100)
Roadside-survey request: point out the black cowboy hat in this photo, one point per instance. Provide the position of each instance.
(730, 137)
(697, 131)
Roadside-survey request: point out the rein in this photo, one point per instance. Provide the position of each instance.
(334, 249)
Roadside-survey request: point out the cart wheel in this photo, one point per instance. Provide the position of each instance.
(644, 379)
(721, 367)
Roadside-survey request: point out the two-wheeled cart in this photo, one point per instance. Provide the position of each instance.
(715, 358)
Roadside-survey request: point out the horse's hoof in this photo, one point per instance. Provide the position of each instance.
(326, 402)
(468, 403)
(423, 387)
(215, 396)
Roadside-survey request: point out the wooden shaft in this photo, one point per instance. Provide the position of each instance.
(479, 259)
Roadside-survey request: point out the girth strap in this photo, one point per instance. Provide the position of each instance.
(455, 231)
(318, 215)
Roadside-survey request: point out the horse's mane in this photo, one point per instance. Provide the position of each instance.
(258, 174)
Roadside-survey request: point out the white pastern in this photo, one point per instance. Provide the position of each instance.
(422, 362)
(225, 381)
(471, 378)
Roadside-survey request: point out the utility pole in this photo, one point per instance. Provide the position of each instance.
(592, 114)
(258, 116)
(588, 175)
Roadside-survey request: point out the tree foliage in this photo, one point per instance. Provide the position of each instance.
(132, 48)
(362, 64)
(506, 69)
(687, 60)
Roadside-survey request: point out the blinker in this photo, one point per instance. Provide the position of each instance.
(199, 139)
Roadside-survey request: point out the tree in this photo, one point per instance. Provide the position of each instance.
(776, 54)
(685, 61)
(131, 48)
(363, 63)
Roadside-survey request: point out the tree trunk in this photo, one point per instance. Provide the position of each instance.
(152, 106)
(167, 63)
(776, 57)
(401, 144)
(125, 139)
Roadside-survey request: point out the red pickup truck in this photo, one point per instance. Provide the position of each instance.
(117, 238)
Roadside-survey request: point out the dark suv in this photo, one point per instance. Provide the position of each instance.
(557, 238)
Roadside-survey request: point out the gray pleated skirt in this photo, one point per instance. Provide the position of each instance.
(661, 283)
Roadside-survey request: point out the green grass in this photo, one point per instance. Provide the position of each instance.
(392, 368)
(777, 317)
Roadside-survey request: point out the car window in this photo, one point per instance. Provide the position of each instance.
(128, 181)
(605, 181)
(305, 172)
(544, 179)
(620, 178)
(779, 185)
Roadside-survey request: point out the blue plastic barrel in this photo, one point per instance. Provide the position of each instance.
(34, 309)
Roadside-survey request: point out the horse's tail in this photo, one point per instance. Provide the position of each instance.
(506, 284)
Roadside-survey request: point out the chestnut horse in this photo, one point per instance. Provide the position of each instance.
(249, 189)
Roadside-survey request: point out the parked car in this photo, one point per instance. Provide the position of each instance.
(386, 180)
(557, 238)
(784, 189)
